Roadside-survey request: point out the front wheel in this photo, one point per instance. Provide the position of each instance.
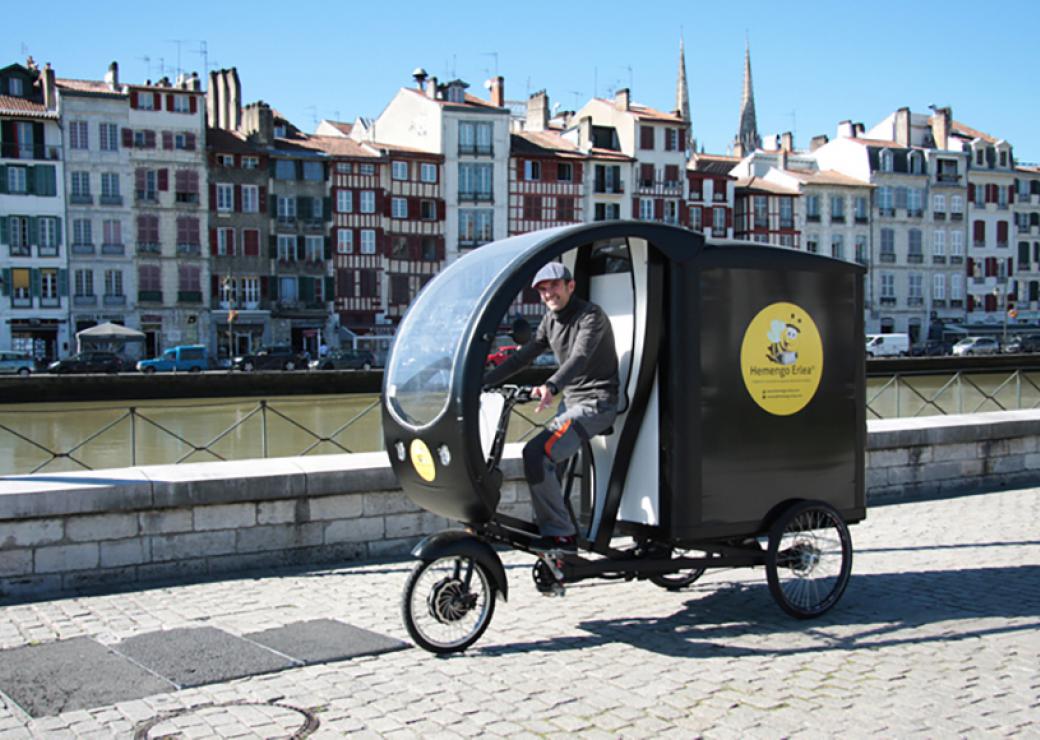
(447, 603)
(678, 580)
(809, 559)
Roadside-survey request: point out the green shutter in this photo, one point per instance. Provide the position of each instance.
(63, 282)
(57, 232)
(274, 287)
(301, 248)
(272, 247)
(3, 229)
(6, 286)
(46, 180)
(3, 179)
(327, 212)
(328, 247)
(306, 289)
(330, 288)
(34, 281)
(272, 207)
(34, 230)
(303, 207)
(30, 180)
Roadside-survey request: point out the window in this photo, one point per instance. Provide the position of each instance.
(49, 287)
(475, 138)
(181, 104)
(428, 172)
(475, 182)
(939, 203)
(979, 233)
(399, 170)
(186, 186)
(184, 140)
(344, 201)
(114, 282)
(565, 172)
(886, 160)
(225, 197)
(787, 213)
(916, 293)
(187, 231)
(812, 208)
(916, 250)
(16, 180)
(109, 187)
(368, 241)
(861, 209)
(146, 185)
(428, 210)
(837, 208)
(83, 283)
(888, 245)
(718, 221)
(78, 135)
(475, 226)
(885, 201)
(108, 136)
(646, 209)
(286, 248)
(915, 202)
(368, 201)
(646, 137)
(888, 285)
(345, 241)
(80, 187)
(315, 248)
(761, 212)
(250, 198)
(399, 208)
(838, 246)
(938, 243)
(148, 230)
(399, 247)
(188, 278)
(956, 204)
(671, 139)
(532, 170)
(250, 163)
(565, 209)
(532, 207)
(148, 278)
(956, 286)
(112, 231)
(366, 169)
(939, 286)
(1002, 195)
(861, 248)
(81, 232)
(313, 171)
(284, 169)
(429, 248)
(250, 289)
(812, 243)
(20, 291)
(695, 218)
(607, 211)
(916, 163)
(47, 234)
(144, 139)
(286, 206)
(956, 244)
(15, 87)
(288, 289)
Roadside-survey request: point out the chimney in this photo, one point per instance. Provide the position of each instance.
(903, 127)
(112, 77)
(817, 141)
(234, 101)
(222, 100)
(621, 99)
(846, 130)
(258, 123)
(50, 90)
(858, 129)
(211, 100)
(585, 133)
(419, 75)
(537, 112)
(787, 142)
(498, 92)
(431, 87)
(194, 83)
(941, 120)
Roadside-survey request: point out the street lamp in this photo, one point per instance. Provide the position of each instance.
(1001, 296)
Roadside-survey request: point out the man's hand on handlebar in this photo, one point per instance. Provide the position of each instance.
(543, 392)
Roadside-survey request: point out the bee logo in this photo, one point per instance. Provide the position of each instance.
(781, 334)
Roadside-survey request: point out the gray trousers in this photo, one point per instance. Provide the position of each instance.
(559, 441)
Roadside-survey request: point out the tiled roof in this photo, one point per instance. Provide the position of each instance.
(764, 186)
(649, 114)
(472, 100)
(341, 126)
(960, 128)
(544, 144)
(612, 154)
(220, 140)
(712, 164)
(391, 148)
(337, 146)
(890, 144)
(828, 177)
(92, 86)
(12, 106)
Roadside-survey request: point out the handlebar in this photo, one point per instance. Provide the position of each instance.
(513, 395)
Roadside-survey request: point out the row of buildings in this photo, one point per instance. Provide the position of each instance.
(197, 218)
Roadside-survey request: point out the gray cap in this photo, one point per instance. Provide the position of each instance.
(551, 271)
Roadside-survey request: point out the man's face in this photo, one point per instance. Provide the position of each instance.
(555, 294)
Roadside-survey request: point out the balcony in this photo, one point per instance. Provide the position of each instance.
(286, 222)
(956, 216)
(313, 266)
(21, 250)
(956, 303)
(149, 296)
(839, 219)
(948, 178)
(614, 188)
(813, 218)
(718, 197)
(113, 300)
(190, 250)
(915, 212)
(189, 296)
(938, 259)
(82, 249)
(21, 301)
(480, 150)
(111, 200)
(146, 196)
(939, 215)
(187, 198)
(1002, 245)
(915, 258)
(148, 248)
(482, 196)
(887, 257)
(978, 280)
(889, 212)
(314, 224)
(14, 150)
(915, 301)
(887, 300)
(662, 187)
(113, 249)
(50, 302)
(81, 199)
(84, 300)
(938, 303)
(956, 259)
(47, 250)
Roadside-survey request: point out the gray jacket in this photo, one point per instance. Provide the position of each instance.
(582, 339)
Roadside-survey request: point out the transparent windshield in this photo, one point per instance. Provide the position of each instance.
(425, 349)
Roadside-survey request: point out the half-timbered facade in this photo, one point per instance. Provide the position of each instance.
(710, 194)
(763, 211)
(546, 182)
(1027, 244)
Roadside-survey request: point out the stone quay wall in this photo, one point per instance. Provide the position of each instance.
(61, 532)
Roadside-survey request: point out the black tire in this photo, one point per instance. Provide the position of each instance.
(195, 369)
(247, 367)
(367, 366)
(23, 371)
(680, 579)
(809, 559)
(289, 365)
(439, 597)
(149, 371)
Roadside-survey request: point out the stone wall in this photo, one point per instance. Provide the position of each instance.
(60, 532)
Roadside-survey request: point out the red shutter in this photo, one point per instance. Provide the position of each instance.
(133, 98)
(251, 242)
(577, 173)
(167, 140)
(658, 208)
(169, 101)
(971, 193)
(635, 207)
(729, 218)
(971, 267)
(263, 199)
(149, 139)
(189, 141)
(1002, 232)
(238, 198)
(164, 179)
(213, 241)
(213, 196)
(231, 241)
(442, 209)
(1010, 267)
(264, 289)
(128, 138)
(1011, 193)
(157, 101)
(991, 267)
(214, 285)
(193, 104)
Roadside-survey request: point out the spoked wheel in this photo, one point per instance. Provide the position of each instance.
(447, 603)
(680, 579)
(809, 559)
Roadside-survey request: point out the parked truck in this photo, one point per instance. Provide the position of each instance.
(191, 358)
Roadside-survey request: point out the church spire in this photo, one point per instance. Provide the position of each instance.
(682, 95)
(747, 139)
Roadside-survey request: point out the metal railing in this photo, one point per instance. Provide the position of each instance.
(962, 393)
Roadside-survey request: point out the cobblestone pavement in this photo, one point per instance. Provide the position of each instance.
(937, 636)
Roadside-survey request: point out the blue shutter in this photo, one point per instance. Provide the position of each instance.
(3, 229)
(35, 280)
(63, 282)
(5, 288)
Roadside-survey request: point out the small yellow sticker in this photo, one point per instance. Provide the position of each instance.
(422, 460)
(781, 358)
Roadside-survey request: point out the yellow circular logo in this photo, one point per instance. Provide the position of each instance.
(782, 358)
(422, 460)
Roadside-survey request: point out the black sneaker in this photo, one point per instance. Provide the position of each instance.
(549, 543)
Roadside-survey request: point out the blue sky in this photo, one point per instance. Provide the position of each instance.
(814, 63)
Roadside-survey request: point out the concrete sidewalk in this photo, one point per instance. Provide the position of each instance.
(936, 636)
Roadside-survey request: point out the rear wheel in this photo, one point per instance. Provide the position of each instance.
(23, 371)
(149, 370)
(447, 603)
(367, 366)
(289, 365)
(247, 367)
(809, 559)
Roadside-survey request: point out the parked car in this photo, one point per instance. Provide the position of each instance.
(345, 359)
(1023, 343)
(497, 357)
(888, 345)
(91, 362)
(17, 363)
(976, 346)
(271, 358)
(190, 358)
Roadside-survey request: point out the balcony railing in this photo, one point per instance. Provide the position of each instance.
(50, 250)
(111, 200)
(148, 248)
(915, 301)
(83, 249)
(839, 219)
(478, 149)
(113, 300)
(955, 216)
(956, 259)
(938, 259)
(81, 199)
(887, 257)
(915, 258)
(886, 212)
(187, 198)
(21, 301)
(114, 249)
(193, 250)
(50, 302)
(84, 300)
(21, 250)
(915, 212)
(481, 196)
(14, 150)
(314, 224)
(189, 296)
(146, 196)
(887, 300)
(948, 177)
(149, 296)
(609, 187)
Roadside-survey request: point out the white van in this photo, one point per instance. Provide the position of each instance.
(888, 345)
